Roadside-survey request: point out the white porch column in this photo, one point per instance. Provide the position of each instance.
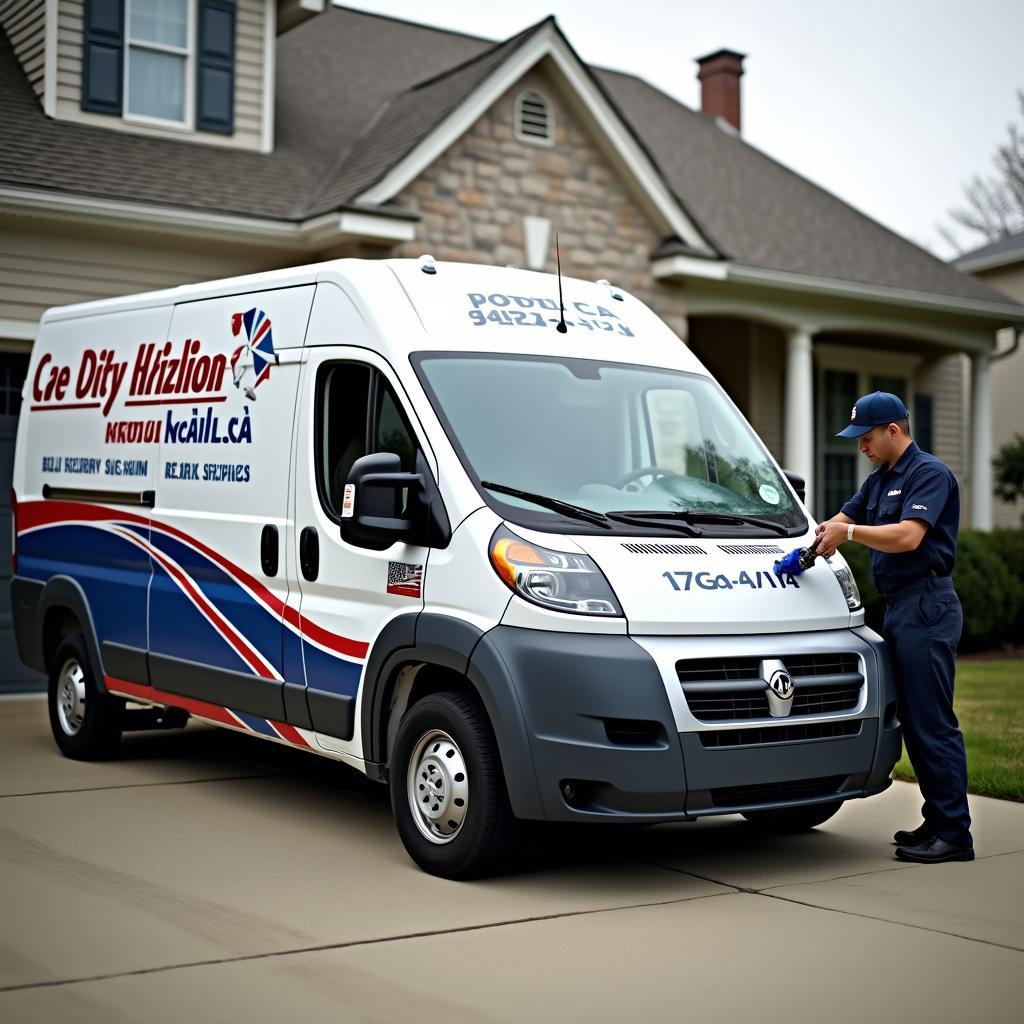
(981, 443)
(798, 443)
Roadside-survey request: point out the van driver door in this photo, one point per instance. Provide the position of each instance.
(351, 404)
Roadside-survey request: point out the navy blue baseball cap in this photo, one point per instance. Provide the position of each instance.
(874, 410)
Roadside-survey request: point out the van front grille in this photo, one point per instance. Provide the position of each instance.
(732, 689)
(780, 734)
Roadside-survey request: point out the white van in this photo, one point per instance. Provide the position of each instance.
(406, 515)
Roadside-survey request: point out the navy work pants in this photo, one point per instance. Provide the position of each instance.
(923, 624)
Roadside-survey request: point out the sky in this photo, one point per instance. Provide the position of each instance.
(892, 106)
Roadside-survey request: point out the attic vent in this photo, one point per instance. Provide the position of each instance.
(534, 119)
(664, 549)
(751, 549)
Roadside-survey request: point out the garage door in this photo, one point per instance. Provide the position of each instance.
(13, 675)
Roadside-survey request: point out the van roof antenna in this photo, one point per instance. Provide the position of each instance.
(560, 326)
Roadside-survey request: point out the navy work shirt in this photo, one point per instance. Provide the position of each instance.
(919, 486)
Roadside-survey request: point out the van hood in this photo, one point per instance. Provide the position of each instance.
(702, 586)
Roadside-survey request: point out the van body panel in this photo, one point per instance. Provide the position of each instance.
(180, 482)
(85, 380)
(717, 586)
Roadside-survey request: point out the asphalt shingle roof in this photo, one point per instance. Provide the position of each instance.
(1011, 247)
(356, 92)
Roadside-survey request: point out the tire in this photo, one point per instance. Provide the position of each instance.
(440, 738)
(86, 723)
(793, 819)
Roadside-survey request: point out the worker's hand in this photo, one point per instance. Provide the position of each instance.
(829, 536)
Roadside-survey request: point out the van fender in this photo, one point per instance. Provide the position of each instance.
(32, 600)
(452, 643)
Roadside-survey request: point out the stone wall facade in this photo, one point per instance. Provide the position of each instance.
(474, 197)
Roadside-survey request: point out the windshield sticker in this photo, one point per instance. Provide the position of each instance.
(533, 311)
(682, 581)
(769, 494)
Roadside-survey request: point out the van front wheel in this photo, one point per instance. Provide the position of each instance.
(447, 788)
(85, 722)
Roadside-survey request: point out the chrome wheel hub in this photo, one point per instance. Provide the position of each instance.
(71, 697)
(438, 787)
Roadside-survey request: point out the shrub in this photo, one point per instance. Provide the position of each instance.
(1009, 545)
(1008, 468)
(990, 593)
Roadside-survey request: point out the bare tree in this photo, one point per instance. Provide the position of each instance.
(994, 206)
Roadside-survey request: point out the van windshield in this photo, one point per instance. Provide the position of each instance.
(647, 445)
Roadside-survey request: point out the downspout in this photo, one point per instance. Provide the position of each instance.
(1018, 330)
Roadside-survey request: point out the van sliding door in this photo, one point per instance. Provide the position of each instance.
(220, 523)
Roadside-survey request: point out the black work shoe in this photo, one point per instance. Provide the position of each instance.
(920, 835)
(935, 851)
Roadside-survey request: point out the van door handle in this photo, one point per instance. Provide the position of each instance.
(309, 553)
(269, 548)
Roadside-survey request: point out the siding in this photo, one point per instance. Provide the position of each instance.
(24, 21)
(1007, 387)
(42, 268)
(249, 64)
(945, 378)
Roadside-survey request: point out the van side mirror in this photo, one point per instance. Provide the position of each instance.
(376, 517)
(798, 483)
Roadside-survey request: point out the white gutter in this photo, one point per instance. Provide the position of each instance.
(682, 267)
(317, 232)
(971, 264)
(876, 293)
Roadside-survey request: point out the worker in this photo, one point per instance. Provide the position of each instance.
(907, 513)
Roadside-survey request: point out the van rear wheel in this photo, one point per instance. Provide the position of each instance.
(86, 723)
(447, 788)
(793, 819)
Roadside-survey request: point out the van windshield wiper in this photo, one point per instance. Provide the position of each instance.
(693, 517)
(588, 515)
(649, 519)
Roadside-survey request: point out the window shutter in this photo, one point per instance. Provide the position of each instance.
(215, 67)
(103, 56)
(921, 422)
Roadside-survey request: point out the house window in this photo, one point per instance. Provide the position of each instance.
(840, 467)
(161, 62)
(158, 59)
(535, 120)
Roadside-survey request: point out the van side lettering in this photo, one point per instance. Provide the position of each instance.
(100, 376)
(56, 384)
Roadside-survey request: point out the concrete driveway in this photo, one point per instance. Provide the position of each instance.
(208, 876)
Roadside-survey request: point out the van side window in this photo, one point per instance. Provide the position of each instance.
(391, 432)
(357, 414)
(343, 402)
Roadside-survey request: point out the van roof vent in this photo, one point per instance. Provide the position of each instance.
(664, 549)
(751, 549)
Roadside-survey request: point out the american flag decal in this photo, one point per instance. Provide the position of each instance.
(405, 580)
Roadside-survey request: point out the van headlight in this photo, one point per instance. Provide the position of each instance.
(561, 580)
(846, 581)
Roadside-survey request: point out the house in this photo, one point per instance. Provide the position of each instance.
(1001, 266)
(145, 144)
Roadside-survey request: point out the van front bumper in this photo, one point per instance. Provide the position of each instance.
(603, 730)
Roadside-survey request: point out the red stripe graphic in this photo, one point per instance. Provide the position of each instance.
(52, 513)
(221, 624)
(177, 401)
(288, 732)
(195, 707)
(200, 708)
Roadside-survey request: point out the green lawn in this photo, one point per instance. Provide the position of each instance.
(989, 702)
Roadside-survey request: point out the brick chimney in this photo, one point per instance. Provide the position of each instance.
(719, 78)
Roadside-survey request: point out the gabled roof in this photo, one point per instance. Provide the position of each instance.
(356, 91)
(996, 254)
